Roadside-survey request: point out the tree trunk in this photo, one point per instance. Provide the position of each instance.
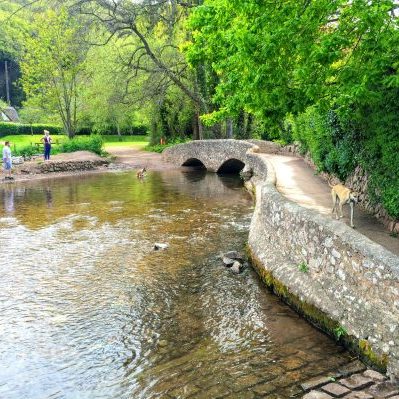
(196, 134)
(229, 128)
(118, 131)
(241, 131)
(248, 128)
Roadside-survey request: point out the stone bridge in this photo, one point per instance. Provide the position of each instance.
(337, 277)
(221, 156)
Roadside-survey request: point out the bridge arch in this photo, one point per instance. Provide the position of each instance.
(231, 166)
(194, 162)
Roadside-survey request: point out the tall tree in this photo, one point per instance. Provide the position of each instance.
(53, 64)
(11, 33)
(156, 29)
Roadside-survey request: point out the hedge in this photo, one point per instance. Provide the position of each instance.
(93, 143)
(9, 128)
(138, 130)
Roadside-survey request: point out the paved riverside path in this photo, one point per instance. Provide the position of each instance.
(297, 181)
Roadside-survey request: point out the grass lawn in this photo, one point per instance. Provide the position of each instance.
(19, 141)
(125, 141)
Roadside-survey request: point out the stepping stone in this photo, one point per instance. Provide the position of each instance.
(352, 368)
(336, 390)
(357, 382)
(316, 395)
(315, 383)
(374, 375)
(358, 395)
(384, 390)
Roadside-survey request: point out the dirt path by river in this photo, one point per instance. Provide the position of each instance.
(136, 158)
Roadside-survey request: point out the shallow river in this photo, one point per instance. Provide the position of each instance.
(89, 310)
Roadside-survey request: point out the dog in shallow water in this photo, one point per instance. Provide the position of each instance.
(342, 195)
(140, 173)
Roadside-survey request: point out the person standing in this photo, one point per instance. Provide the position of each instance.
(7, 162)
(47, 144)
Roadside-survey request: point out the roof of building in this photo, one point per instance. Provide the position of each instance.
(9, 114)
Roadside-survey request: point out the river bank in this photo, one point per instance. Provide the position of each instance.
(85, 163)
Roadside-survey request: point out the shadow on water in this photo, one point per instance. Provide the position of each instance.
(90, 310)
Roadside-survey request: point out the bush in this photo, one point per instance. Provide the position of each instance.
(160, 147)
(93, 143)
(311, 131)
(337, 143)
(26, 151)
(138, 130)
(8, 129)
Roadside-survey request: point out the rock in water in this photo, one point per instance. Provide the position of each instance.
(234, 255)
(158, 246)
(237, 267)
(228, 262)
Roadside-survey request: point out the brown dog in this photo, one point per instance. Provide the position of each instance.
(342, 195)
(140, 173)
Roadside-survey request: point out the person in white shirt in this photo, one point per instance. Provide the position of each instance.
(7, 162)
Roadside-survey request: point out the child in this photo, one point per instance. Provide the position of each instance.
(47, 144)
(7, 162)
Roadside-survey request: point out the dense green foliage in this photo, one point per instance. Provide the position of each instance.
(323, 73)
(93, 143)
(7, 129)
(160, 147)
(52, 65)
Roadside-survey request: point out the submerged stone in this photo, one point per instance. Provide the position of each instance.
(237, 267)
(234, 255)
(158, 246)
(228, 261)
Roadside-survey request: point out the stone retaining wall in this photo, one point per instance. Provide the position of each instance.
(70, 166)
(352, 281)
(341, 280)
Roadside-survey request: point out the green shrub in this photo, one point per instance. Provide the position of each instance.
(338, 143)
(310, 130)
(93, 143)
(137, 130)
(26, 151)
(8, 128)
(160, 147)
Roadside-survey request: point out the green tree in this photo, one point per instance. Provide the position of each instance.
(53, 65)
(12, 29)
(156, 33)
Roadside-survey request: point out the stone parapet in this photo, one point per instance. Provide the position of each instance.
(211, 153)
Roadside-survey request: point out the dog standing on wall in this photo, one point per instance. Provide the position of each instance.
(342, 195)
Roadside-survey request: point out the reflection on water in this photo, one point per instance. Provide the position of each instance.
(89, 310)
